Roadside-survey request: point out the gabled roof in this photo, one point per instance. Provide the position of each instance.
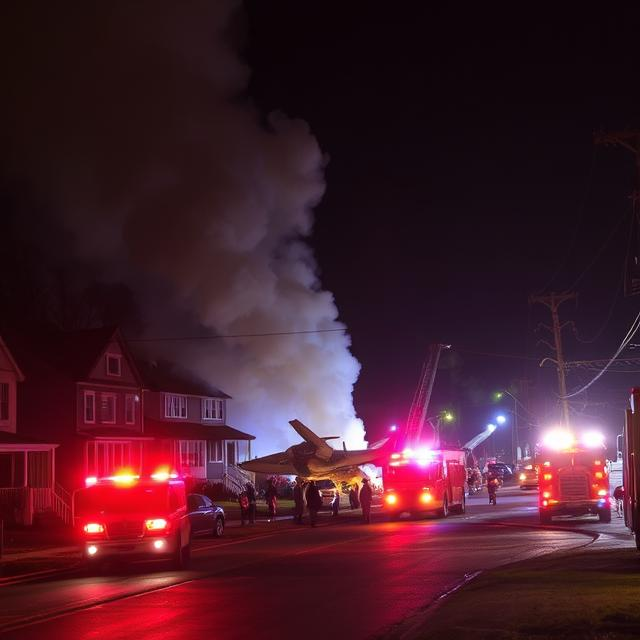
(193, 431)
(66, 354)
(165, 376)
(7, 352)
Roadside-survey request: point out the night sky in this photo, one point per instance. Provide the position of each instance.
(461, 175)
(462, 178)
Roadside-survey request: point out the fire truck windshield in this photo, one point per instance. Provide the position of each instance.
(110, 499)
(411, 472)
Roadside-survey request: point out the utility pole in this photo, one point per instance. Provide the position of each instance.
(552, 302)
(629, 139)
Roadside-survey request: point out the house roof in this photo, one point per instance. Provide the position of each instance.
(15, 438)
(193, 431)
(13, 363)
(68, 354)
(112, 432)
(165, 376)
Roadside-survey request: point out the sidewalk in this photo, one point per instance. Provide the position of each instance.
(588, 593)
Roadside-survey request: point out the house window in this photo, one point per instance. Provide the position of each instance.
(105, 458)
(4, 401)
(191, 453)
(130, 409)
(175, 406)
(211, 409)
(108, 408)
(214, 449)
(89, 407)
(114, 364)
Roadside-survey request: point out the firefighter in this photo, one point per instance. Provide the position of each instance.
(366, 496)
(271, 498)
(314, 501)
(298, 500)
(492, 487)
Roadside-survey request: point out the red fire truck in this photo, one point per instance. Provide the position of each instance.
(425, 480)
(573, 476)
(129, 517)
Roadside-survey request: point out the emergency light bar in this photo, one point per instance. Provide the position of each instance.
(564, 440)
(126, 478)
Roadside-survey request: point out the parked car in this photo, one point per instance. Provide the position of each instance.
(327, 491)
(528, 478)
(205, 517)
(500, 469)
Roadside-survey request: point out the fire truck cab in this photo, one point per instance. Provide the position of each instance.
(130, 517)
(573, 477)
(425, 480)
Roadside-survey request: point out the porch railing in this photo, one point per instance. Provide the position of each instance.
(235, 479)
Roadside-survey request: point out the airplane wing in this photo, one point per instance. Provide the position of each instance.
(323, 450)
(277, 463)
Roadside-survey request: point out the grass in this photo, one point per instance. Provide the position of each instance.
(590, 595)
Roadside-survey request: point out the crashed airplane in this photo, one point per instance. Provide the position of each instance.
(315, 459)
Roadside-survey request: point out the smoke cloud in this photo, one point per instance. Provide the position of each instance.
(132, 124)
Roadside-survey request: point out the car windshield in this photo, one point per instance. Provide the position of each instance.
(121, 499)
(325, 484)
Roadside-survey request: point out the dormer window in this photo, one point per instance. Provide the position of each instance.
(211, 409)
(175, 406)
(114, 364)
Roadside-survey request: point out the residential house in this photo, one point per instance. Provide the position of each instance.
(27, 465)
(188, 419)
(83, 390)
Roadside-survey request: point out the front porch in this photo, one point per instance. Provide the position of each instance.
(27, 481)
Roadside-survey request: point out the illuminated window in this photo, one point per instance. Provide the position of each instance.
(4, 401)
(214, 449)
(191, 453)
(175, 406)
(211, 409)
(130, 409)
(108, 408)
(114, 364)
(89, 407)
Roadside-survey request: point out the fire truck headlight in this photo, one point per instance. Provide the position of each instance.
(602, 492)
(426, 497)
(92, 550)
(391, 498)
(159, 544)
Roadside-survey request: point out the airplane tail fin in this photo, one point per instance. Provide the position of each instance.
(323, 450)
(378, 444)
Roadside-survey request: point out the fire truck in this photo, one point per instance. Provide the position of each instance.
(133, 517)
(425, 481)
(573, 477)
(631, 466)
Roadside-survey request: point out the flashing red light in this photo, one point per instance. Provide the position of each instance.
(391, 498)
(599, 475)
(156, 524)
(547, 476)
(426, 497)
(90, 481)
(93, 527)
(546, 494)
(545, 503)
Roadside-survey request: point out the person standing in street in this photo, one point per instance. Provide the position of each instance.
(335, 503)
(243, 500)
(271, 497)
(251, 495)
(298, 500)
(314, 501)
(366, 497)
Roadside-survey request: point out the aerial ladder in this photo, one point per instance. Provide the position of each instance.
(412, 435)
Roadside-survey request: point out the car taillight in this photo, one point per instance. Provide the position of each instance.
(157, 524)
(391, 498)
(93, 527)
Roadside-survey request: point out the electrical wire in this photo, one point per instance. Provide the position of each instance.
(632, 331)
(237, 335)
(600, 251)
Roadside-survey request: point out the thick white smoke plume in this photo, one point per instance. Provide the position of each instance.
(131, 122)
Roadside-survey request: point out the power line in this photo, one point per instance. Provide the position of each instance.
(237, 335)
(632, 331)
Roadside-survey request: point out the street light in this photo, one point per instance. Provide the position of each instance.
(500, 419)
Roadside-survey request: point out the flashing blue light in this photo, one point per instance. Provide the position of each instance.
(393, 427)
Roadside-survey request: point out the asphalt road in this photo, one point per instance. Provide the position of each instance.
(340, 578)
